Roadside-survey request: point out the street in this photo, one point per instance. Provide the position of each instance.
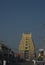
(30, 63)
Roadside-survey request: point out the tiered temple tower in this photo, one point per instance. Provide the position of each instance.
(26, 47)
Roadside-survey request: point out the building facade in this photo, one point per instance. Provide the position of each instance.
(6, 54)
(26, 47)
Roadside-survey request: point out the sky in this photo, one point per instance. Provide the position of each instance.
(22, 16)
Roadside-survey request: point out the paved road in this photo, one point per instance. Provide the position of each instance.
(29, 63)
(25, 63)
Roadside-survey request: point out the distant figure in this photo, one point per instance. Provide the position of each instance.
(4, 62)
(34, 61)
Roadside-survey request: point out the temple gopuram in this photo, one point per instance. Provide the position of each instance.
(27, 47)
